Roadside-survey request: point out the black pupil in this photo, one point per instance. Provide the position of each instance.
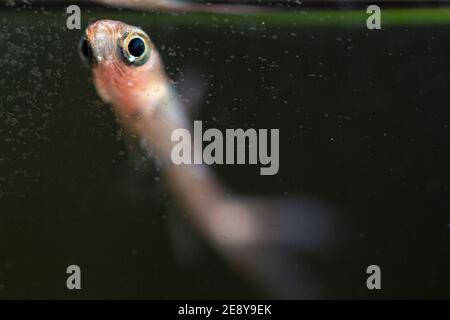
(136, 47)
(85, 48)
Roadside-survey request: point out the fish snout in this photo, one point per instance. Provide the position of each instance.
(99, 44)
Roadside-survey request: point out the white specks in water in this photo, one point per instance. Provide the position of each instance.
(35, 72)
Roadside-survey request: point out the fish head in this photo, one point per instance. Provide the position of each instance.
(125, 64)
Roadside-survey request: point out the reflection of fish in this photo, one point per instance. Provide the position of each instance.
(177, 5)
(226, 7)
(260, 239)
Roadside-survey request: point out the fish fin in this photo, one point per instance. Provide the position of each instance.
(279, 243)
(191, 90)
(187, 246)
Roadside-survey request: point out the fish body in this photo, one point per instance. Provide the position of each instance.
(257, 237)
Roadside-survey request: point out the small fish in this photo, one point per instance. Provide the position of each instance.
(261, 238)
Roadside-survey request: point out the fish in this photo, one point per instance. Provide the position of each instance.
(266, 241)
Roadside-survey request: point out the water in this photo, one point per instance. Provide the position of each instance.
(364, 126)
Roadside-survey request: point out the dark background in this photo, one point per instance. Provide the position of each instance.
(364, 122)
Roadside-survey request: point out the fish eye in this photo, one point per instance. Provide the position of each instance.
(135, 48)
(85, 50)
